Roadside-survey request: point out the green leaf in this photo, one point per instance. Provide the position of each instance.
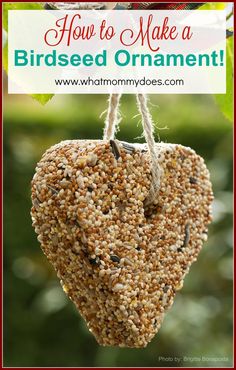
(42, 98)
(5, 57)
(213, 6)
(225, 101)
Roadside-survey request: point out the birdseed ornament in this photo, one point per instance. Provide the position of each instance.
(121, 224)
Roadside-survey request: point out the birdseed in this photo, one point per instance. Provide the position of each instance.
(119, 261)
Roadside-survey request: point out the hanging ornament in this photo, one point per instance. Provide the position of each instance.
(121, 224)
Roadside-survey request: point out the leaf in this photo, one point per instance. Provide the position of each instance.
(213, 6)
(5, 57)
(42, 98)
(225, 101)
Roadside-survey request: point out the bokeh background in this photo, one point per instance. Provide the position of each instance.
(41, 325)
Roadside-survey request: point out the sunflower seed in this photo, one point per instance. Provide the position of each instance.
(115, 149)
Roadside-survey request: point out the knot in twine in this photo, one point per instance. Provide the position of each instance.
(111, 124)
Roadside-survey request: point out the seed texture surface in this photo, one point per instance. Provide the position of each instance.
(121, 262)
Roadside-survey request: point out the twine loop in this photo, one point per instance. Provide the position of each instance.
(111, 125)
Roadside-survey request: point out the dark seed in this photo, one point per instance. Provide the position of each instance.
(94, 261)
(129, 148)
(90, 189)
(115, 149)
(54, 191)
(115, 258)
(187, 235)
(36, 203)
(166, 288)
(84, 249)
(62, 167)
(193, 180)
(182, 157)
(138, 249)
(148, 212)
(186, 238)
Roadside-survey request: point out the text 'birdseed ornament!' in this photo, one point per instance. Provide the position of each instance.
(120, 238)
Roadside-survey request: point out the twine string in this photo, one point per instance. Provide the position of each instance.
(111, 124)
(113, 117)
(148, 130)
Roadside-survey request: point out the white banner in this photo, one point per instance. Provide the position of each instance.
(89, 51)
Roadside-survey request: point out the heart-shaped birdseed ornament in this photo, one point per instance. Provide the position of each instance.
(120, 261)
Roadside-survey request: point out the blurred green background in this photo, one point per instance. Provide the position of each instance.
(41, 326)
